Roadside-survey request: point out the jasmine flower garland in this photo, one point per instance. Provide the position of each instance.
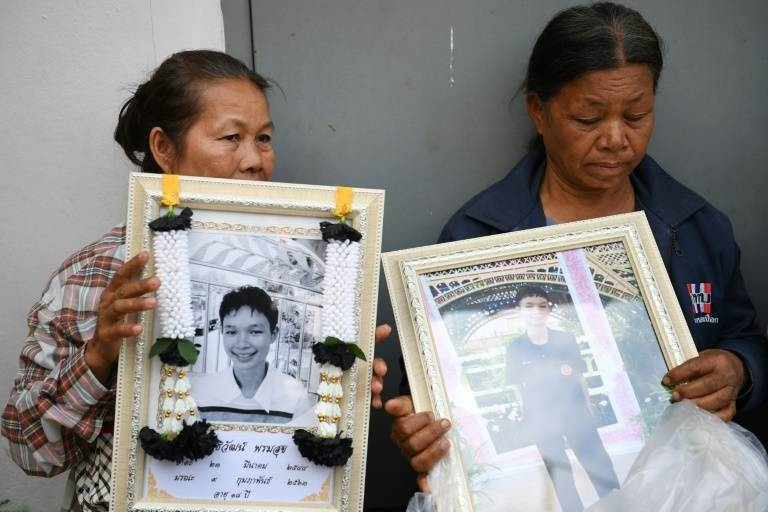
(174, 296)
(183, 435)
(327, 447)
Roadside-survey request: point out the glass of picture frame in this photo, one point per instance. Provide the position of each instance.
(546, 349)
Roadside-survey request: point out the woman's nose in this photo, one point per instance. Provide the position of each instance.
(253, 160)
(613, 136)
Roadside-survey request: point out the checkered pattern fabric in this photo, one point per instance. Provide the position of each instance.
(55, 417)
(92, 477)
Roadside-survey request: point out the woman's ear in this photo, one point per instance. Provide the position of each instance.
(163, 150)
(535, 110)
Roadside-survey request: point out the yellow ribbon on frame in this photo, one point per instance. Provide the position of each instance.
(170, 190)
(343, 201)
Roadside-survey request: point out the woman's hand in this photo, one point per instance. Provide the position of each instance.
(123, 296)
(712, 381)
(379, 368)
(418, 436)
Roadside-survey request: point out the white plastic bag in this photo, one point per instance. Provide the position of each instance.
(694, 461)
(421, 502)
(443, 482)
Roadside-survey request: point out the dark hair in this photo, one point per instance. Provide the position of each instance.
(587, 38)
(170, 99)
(530, 290)
(252, 297)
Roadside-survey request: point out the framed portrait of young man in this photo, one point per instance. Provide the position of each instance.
(257, 290)
(546, 349)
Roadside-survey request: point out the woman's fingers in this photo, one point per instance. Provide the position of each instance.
(123, 296)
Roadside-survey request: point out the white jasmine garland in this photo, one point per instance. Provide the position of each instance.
(168, 405)
(169, 388)
(169, 382)
(342, 262)
(337, 351)
(325, 429)
(174, 312)
(182, 386)
(174, 427)
(327, 415)
(181, 409)
(178, 406)
(340, 284)
(174, 304)
(192, 415)
(175, 347)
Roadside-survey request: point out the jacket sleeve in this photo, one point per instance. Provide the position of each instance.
(57, 407)
(446, 235)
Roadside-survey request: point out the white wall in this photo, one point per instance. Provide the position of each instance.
(66, 69)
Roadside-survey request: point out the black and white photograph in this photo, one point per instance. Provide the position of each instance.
(257, 309)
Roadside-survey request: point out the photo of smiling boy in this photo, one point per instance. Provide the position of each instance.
(250, 389)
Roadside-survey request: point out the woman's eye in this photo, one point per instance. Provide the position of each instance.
(232, 137)
(256, 332)
(229, 332)
(635, 117)
(264, 138)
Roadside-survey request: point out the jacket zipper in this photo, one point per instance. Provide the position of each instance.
(673, 235)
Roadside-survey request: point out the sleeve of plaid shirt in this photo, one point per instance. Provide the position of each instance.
(57, 407)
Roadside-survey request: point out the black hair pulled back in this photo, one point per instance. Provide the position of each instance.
(170, 100)
(588, 38)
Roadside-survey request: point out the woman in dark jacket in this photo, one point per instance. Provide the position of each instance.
(590, 88)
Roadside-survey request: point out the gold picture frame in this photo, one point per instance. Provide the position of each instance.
(262, 234)
(474, 354)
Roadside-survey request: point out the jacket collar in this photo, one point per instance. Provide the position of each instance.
(660, 194)
(505, 208)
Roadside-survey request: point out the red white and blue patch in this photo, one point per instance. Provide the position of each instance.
(701, 297)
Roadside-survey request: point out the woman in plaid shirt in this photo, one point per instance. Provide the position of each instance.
(201, 113)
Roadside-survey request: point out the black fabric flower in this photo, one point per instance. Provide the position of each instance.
(197, 440)
(325, 451)
(339, 231)
(337, 355)
(172, 357)
(194, 442)
(175, 351)
(173, 222)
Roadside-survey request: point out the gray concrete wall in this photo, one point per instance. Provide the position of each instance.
(415, 98)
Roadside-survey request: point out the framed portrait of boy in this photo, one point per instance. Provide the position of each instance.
(545, 349)
(257, 266)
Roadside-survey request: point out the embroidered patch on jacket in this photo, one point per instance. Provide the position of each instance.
(701, 302)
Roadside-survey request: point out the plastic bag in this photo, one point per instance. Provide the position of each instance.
(421, 502)
(443, 482)
(694, 461)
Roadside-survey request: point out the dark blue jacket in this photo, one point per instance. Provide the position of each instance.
(695, 240)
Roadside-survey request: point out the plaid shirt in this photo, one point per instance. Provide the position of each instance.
(57, 408)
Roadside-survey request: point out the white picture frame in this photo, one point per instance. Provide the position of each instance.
(459, 322)
(248, 233)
